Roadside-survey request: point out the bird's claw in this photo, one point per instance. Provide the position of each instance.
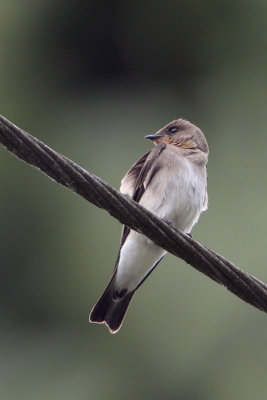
(168, 222)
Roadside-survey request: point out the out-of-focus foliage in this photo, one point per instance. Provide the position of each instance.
(91, 79)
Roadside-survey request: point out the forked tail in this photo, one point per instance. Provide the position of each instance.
(109, 309)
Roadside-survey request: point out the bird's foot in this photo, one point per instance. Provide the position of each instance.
(190, 235)
(168, 222)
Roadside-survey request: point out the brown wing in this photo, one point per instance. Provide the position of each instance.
(134, 181)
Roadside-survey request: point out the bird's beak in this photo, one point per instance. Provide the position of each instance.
(155, 136)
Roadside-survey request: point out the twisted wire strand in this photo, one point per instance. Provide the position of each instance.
(66, 172)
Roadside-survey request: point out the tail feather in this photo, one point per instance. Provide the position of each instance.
(110, 310)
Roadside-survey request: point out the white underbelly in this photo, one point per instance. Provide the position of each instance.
(178, 197)
(137, 258)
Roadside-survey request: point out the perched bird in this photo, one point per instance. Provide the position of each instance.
(171, 182)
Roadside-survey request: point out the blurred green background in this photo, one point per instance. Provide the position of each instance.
(91, 79)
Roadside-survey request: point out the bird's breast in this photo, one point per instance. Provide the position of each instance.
(177, 193)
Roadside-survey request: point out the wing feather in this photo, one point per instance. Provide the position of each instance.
(134, 182)
(128, 182)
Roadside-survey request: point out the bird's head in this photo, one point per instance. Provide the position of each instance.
(183, 134)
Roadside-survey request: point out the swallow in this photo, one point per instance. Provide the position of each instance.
(171, 182)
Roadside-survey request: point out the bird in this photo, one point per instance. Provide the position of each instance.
(171, 182)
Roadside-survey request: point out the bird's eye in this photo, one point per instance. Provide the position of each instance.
(173, 129)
